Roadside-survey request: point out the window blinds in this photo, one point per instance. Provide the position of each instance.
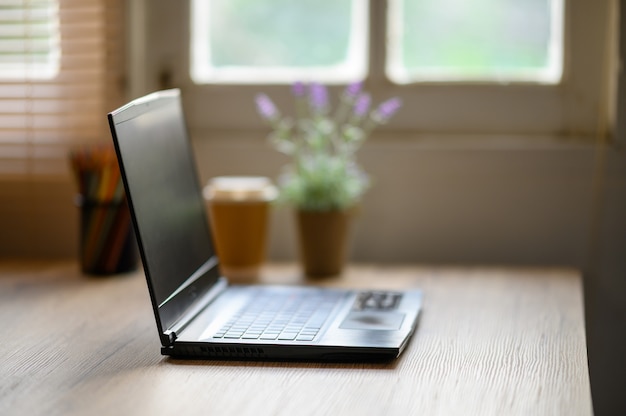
(70, 55)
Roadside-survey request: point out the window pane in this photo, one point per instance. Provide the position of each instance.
(278, 40)
(29, 39)
(475, 40)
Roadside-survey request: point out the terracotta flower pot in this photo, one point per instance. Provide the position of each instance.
(323, 240)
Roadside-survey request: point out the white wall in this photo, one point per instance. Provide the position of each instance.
(471, 201)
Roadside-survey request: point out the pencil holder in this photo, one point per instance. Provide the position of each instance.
(107, 239)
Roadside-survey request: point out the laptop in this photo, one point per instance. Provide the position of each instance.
(198, 313)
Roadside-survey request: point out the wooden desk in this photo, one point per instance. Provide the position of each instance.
(490, 341)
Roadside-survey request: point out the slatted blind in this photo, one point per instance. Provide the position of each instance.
(61, 71)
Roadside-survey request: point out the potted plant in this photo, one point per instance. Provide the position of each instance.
(323, 181)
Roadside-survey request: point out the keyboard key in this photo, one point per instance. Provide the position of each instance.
(305, 337)
(287, 336)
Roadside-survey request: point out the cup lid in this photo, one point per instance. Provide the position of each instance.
(240, 189)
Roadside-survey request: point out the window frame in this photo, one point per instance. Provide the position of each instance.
(573, 108)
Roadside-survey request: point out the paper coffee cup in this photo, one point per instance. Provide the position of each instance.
(238, 208)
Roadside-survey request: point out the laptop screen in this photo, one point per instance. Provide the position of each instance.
(165, 199)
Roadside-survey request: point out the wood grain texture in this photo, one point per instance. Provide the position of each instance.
(491, 341)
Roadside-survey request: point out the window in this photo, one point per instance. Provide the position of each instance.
(547, 80)
(475, 40)
(246, 41)
(29, 40)
(231, 40)
(60, 72)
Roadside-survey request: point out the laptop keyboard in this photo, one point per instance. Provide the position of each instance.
(297, 317)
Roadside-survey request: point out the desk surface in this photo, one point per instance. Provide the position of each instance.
(490, 341)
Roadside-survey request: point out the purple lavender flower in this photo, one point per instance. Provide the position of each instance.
(298, 89)
(362, 105)
(387, 109)
(318, 96)
(266, 107)
(353, 90)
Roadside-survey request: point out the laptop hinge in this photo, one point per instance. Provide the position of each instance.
(171, 333)
(170, 336)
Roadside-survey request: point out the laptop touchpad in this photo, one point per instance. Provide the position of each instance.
(373, 320)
